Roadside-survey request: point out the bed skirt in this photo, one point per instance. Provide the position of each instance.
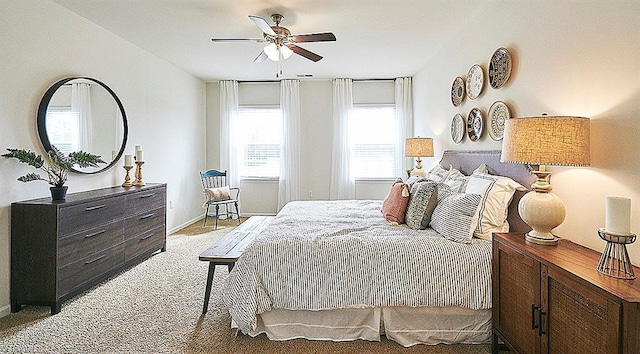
(406, 325)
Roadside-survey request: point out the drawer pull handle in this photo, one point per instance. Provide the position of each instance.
(146, 237)
(146, 195)
(146, 216)
(95, 234)
(541, 330)
(95, 259)
(94, 207)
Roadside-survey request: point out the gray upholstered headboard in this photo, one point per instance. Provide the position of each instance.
(467, 161)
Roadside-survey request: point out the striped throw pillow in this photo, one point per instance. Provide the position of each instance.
(455, 216)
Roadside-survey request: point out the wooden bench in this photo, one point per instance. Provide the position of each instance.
(228, 249)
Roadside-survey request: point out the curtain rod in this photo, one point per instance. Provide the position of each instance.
(301, 78)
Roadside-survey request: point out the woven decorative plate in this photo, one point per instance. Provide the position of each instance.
(498, 115)
(457, 128)
(475, 82)
(457, 91)
(499, 68)
(475, 124)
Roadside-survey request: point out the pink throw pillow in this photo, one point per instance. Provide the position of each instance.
(395, 204)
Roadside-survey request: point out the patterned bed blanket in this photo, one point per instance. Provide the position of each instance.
(318, 255)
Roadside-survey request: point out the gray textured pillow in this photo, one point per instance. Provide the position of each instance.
(455, 217)
(423, 199)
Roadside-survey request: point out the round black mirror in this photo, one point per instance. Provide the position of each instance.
(81, 113)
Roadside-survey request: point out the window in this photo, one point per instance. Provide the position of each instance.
(258, 138)
(63, 129)
(373, 139)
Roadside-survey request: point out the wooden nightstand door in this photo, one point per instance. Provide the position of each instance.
(516, 298)
(578, 319)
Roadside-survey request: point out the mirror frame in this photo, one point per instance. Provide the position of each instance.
(42, 119)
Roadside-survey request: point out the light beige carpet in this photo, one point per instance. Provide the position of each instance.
(155, 307)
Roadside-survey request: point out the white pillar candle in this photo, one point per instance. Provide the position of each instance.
(139, 156)
(618, 215)
(138, 148)
(128, 161)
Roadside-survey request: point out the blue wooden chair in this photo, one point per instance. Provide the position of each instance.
(218, 193)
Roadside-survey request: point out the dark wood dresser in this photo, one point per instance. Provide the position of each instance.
(551, 299)
(59, 249)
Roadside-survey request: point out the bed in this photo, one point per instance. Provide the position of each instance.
(337, 270)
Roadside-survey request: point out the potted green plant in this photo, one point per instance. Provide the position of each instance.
(57, 170)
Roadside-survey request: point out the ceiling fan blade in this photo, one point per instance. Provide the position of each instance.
(313, 37)
(260, 58)
(258, 40)
(262, 24)
(303, 52)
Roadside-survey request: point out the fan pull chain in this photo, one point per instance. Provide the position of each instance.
(279, 66)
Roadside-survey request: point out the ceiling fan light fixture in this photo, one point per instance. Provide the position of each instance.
(286, 52)
(272, 52)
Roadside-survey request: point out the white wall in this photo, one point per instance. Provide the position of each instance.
(316, 129)
(42, 43)
(571, 58)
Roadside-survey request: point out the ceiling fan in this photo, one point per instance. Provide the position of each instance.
(280, 40)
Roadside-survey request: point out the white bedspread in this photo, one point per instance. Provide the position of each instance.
(319, 255)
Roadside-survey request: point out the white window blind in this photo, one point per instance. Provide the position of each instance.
(373, 131)
(258, 138)
(63, 129)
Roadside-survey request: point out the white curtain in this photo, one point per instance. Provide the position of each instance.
(289, 184)
(404, 112)
(229, 159)
(81, 105)
(343, 185)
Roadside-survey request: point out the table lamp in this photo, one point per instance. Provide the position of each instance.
(418, 147)
(545, 140)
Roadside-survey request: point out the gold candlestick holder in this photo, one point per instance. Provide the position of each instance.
(138, 181)
(127, 179)
(615, 260)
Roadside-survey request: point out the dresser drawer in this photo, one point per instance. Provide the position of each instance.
(83, 244)
(139, 223)
(75, 274)
(150, 240)
(146, 200)
(89, 215)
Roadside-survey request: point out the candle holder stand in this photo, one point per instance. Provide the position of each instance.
(138, 181)
(127, 179)
(615, 260)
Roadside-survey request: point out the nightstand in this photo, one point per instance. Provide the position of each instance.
(551, 299)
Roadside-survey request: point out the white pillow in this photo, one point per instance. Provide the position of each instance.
(438, 174)
(496, 193)
(456, 180)
(481, 169)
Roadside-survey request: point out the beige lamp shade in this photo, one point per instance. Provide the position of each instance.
(547, 140)
(418, 147)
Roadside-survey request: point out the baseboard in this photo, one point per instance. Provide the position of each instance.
(256, 214)
(5, 310)
(183, 225)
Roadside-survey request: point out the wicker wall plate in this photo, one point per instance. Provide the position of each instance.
(475, 81)
(457, 128)
(498, 115)
(475, 123)
(457, 91)
(499, 68)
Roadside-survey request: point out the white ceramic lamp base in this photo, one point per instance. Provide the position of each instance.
(543, 211)
(418, 170)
